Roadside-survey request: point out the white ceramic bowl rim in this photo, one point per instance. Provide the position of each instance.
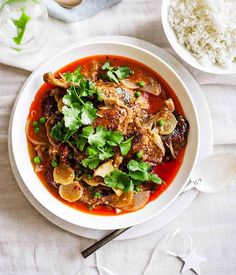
(19, 144)
(184, 53)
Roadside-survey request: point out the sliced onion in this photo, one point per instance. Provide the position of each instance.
(32, 140)
(158, 140)
(154, 88)
(170, 146)
(139, 201)
(119, 202)
(169, 125)
(169, 105)
(164, 120)
(105, 169)
(127, 83)
(90, 182)
(118, 192)
(72, 192)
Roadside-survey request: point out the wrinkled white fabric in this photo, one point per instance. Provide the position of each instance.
(29, 244)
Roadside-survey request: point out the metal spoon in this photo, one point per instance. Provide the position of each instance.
(210, 175)
(213, 173)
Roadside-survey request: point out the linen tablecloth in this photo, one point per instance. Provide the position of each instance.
(29, 244)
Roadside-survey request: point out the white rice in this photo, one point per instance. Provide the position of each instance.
(207, 28)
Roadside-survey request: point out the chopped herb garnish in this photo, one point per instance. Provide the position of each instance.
(76, 111)
(119, 179)
(114, 74)
(60, 133)
(75, 76)
(114, 138)
(91, 162)
(125, 146)
(139, 172)
(99, 138)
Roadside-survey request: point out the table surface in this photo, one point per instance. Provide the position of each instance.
(29, 244)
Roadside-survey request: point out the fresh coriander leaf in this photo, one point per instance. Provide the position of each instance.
(71, 117)
(125, 146)
(112, 77)
(75, 76)
(57, 131)
(60, 133)
(72, 97)
(142, 166)
(114, 74)
(129, 186)
(86, 88)
(92, 151)
(137, 182)
(118, 178)
(139, 175)
(81, 142)
(155, 178)
(122, 72)
(120, 186)
(91, 162)
(88, 113)
(138, 170)
(99, 138)
(87, 131)
(106, 66)
(105, 152)
(114, 138)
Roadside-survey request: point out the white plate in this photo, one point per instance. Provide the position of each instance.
(19, 142)
(206, 143)
(184, 53)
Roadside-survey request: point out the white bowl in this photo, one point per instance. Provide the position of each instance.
(183, 52)
(19, 142)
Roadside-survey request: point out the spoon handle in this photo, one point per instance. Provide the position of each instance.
(88, 251)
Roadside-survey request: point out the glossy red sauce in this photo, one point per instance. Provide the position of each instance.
(167, 171)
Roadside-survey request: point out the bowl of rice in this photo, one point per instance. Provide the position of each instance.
(202, 33)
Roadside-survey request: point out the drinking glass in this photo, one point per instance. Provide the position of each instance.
(23, 24)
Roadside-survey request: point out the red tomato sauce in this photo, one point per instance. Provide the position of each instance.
(167, 171)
